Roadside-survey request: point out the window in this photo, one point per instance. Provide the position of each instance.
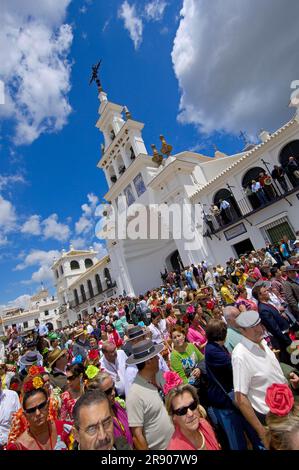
(57, 275)
(61, 270)
(75, 265)
(90, 289)
(76, 296)
(139, 184)
(129, 195)
(98, 283)
(46, 313)
(83, 293)
(88, 263)
(25, 324)
(278, 229)
(107, 277)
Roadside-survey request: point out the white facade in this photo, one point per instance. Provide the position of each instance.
(189, 179)
(42, 308)
(82, 282)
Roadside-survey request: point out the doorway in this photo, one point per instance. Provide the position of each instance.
(176, 261)
(243, 247)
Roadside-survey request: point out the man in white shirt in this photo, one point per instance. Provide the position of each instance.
(114, 362)
(255, 368)
(259, 192)
(9, 404)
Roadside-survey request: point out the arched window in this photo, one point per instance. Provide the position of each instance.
(88, 263)
(107, 277)
(112, 175)
(290, 150)
(98, 283)
(76, 296)
(132, 154)
(75, 265)
(90, 288)
(83, 293)
(233, 211)
(57, 275)
(61, 270)
(252, 175)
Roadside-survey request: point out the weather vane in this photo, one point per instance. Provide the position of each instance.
(94, 75)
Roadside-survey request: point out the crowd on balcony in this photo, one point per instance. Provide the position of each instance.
(206, 361)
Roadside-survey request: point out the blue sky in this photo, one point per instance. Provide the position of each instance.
(178, 67)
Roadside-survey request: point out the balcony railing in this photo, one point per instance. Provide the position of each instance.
(92, 299)
(242, 209)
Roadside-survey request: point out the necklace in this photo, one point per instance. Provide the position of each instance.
(203, 441)
(38, 444)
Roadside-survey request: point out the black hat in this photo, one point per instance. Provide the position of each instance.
(144, 351)
(135, 332)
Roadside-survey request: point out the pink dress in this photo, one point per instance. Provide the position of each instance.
(67, 405)
(180, 442)
(197, 337)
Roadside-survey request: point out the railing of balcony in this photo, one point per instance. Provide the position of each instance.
(245, 207)
(91, 300)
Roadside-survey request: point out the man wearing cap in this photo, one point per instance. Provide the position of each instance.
(30, 358)
(255, 368)
(148, 419)
(136, 334)
(57, 360)
(291, 290)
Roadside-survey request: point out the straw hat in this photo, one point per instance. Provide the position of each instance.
(55, 355)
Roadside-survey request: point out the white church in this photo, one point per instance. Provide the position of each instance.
(188, 179)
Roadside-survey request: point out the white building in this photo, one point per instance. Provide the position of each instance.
(82, 282)
(190, 179)
(42, 308)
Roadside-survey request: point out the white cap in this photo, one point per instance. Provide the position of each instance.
(248, 319)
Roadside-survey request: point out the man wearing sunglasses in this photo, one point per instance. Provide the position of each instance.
(9, 404)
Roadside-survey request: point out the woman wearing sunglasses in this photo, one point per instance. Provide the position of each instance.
(75, 375)
(192, 430)
(38, 430)
(104, 382)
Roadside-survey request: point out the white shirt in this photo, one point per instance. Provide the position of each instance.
(224, 205)
(255, 187)
(89, 329)
(157, 336)
(116, 370)
(131, 372)
(254, 370)
(9, 404)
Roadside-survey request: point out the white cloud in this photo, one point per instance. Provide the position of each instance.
(154, 10)
(35, 44)
(93, 199)
(79, 243)
(32, 225)
(23, 301)
(8, 216)
(132, 22)
(10, 179)
(234, 61)
(54, 229)
(43, 260)
(101, 249)
(83, 225)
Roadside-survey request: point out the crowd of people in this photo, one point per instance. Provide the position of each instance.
(207, 361)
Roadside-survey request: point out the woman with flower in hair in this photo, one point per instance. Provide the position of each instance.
(75, 380)
(192, 430)
(283, 418)
(37, 429)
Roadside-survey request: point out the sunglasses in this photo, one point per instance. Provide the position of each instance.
(184, 410)
(109, 391)
(38, 407)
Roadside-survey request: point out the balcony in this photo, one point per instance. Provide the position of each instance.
(242, 209)
(91, 300)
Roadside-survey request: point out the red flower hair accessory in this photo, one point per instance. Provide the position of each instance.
(36, 370)
(190, 309)
(172, 380)
(93, 354)
(14, 387)
(280, 399)
(33, 383)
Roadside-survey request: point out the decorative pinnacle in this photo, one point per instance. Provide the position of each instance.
(166, 148)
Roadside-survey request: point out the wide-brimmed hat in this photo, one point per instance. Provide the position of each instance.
(78, 332)
(31, 358)
(55, 355)
(144, 351)
(135, 332)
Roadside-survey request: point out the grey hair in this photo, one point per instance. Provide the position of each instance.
(89, 398)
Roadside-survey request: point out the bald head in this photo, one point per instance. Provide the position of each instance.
(230, 314)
